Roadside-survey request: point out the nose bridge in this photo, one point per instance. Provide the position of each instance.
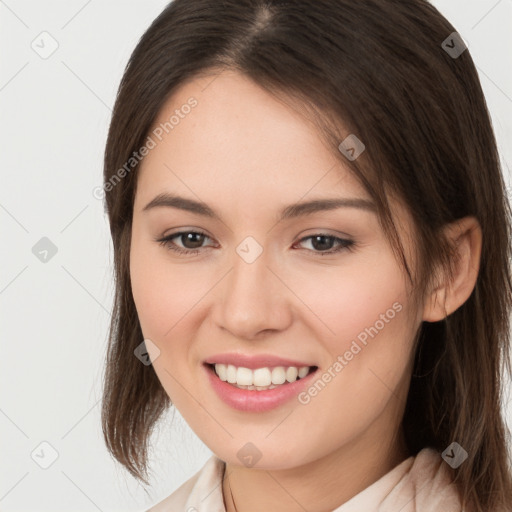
(250, 275)
(253, 298)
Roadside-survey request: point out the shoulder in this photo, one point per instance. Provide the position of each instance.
(420, 483)
(428, 484)
(203, 491)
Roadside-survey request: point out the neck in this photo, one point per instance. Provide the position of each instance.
(319, 486)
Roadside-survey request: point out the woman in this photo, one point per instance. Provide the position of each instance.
(312, 241)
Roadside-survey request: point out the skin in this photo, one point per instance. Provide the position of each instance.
(247, 155)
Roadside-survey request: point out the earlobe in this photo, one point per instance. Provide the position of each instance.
(449, 294)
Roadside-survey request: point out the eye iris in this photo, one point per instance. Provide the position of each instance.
(189, 237)
(323, 245)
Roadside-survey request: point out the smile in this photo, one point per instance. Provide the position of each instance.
(258, 389)
(260, 379)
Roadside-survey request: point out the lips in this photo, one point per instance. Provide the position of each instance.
(257, 401)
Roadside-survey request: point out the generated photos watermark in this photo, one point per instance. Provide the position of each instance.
(137, 156)
(344, 359)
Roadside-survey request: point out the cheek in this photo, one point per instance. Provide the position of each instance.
(164, 297)
(163, 292)
(350, 300)
(365, 323)
(148, 294)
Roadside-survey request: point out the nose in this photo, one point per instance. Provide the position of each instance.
(253, 299)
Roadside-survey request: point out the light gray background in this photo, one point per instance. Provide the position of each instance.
(55, 113)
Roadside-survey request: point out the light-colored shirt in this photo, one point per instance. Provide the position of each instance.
(421, 483)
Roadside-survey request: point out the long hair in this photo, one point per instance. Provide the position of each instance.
(386, 71)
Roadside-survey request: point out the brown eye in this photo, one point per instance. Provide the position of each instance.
(191, 241)
(322, 243)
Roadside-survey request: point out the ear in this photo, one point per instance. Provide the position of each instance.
(465, 235)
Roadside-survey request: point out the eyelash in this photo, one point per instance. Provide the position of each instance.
(345, 244)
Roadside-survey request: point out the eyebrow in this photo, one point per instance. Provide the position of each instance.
(288, 212)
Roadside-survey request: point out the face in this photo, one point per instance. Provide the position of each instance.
(261, 292)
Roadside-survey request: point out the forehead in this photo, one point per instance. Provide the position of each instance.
(225, 133)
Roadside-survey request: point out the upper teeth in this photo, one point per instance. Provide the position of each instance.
(261, 376)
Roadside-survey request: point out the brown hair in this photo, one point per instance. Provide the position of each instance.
(378, 69)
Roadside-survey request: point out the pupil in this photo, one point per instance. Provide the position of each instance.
(189, 237)
(323, 244)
